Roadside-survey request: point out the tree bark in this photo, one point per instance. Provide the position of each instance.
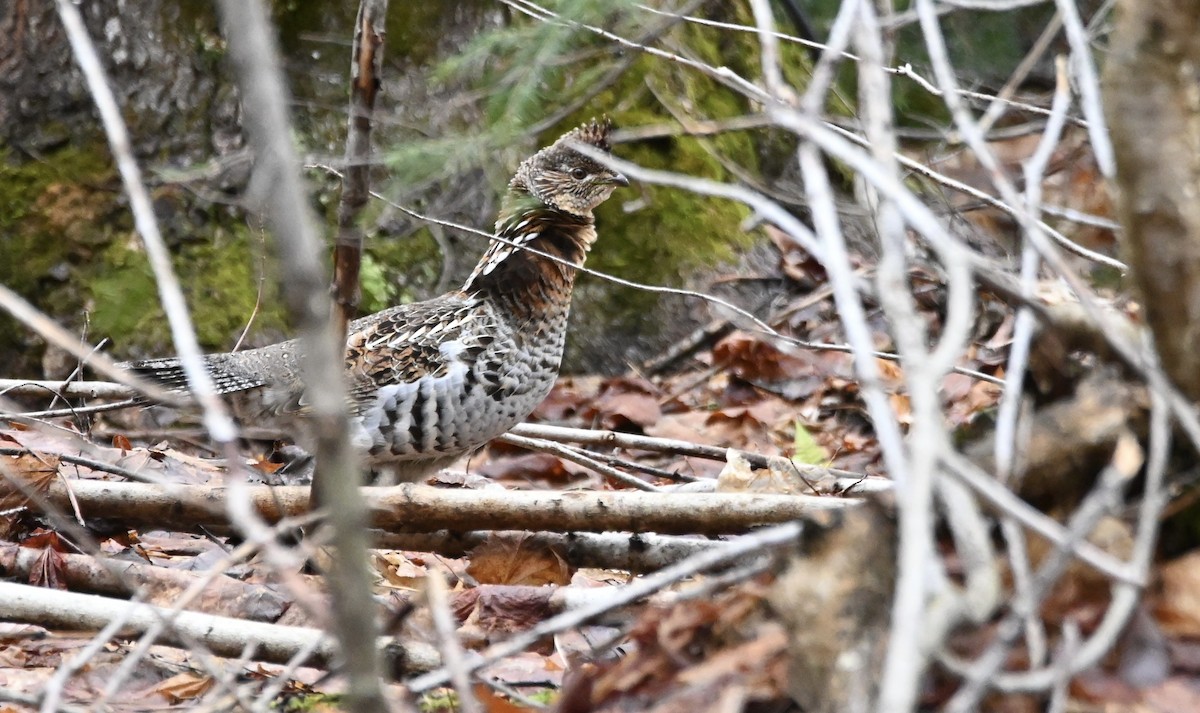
(1152, 104)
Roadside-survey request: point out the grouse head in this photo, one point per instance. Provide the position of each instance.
(565, 179)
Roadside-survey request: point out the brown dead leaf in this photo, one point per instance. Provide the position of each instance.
(568, 397)
(500, 610)
(763, 427)
(13, 657)
(526, 466)
(1082, 594)
(43, 538)
(1177, 605)
(890, 371)
(625, 404)
(754, 359)
(400, 571)
(903, 408)
(120, 441)
(506, 559)
(264, 464)
(35, 471)
(50, 570)
(493, 703)
(184, 687)
(528, 668)
(738, 477)
(967, 397)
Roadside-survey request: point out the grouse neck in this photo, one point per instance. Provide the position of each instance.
(526, 282)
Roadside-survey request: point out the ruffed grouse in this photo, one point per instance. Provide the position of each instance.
(432, 380)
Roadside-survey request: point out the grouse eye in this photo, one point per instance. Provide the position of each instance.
(579, 174)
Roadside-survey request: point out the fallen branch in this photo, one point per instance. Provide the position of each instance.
(417, 508)
(617, 439)
(72, 389)
(157, 585)
(223, 636)
(601, 550)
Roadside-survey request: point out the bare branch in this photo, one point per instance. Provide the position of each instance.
(223, 635)
(366, 76)
(297, 245)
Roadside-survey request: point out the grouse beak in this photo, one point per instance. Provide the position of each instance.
(618, 179)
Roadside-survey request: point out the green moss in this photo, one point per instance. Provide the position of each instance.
(55, 213)
(438, 701)
(69, 248)
(307, 702)
(221, 277)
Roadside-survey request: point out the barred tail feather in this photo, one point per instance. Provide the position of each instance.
(169, 373)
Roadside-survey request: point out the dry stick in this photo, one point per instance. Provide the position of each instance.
(1125, 594)
(574, 456)
(366, 72)
(453, 656)
(1009, 503)
(268, 697)
(53, 690)
(729, 78)
(34, 701)
(637, 552)
(301, 595)
(25, 313)
(832, 48)
(617, 439)
(846, 480)
(256, 61)
(418, 508)
(1088, 83)
(224, 636)
(216, 418)
(778, 536)
(692, 343)
(1103, 499)
(60, 522)
(923, 371)
(1010, 400)
(77, 389)
(117, 578)
(1146, 362)
(89, 463)
(77, 411)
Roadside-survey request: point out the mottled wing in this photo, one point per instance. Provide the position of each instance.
(410, 343)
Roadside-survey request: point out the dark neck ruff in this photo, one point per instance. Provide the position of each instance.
(527, 285)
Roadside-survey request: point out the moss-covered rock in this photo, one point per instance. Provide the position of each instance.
(67, 239)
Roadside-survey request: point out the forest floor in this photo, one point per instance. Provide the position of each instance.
(714, 637)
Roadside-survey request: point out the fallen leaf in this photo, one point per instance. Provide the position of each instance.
(805, 448)
(625, 403)
(184, 687)
(754, 359)
(500, 610)
(49, 571)
(526, 466)
(504, 559)
(1177, 605)
(400, 571)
